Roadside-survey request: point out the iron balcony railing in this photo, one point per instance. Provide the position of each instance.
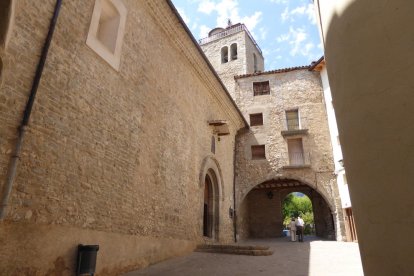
(294, 124)
(294, 159)
(229, 31)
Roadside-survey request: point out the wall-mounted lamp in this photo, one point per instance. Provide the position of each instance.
(231, 212)
(269, 195)
(341, 162)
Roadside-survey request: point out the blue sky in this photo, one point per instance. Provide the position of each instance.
(285, 30)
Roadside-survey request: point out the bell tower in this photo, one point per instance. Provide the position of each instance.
(232, 51)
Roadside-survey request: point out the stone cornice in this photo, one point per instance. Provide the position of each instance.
(175, 31)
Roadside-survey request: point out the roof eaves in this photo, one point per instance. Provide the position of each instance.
(206, 59)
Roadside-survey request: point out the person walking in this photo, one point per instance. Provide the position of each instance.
(299, 228)
(292, 226)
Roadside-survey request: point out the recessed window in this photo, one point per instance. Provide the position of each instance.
(224, 54)
(233, 51)
(261, 88)
(6, 18)
(292, 119)
(258, 152)
(295, 149)
(256, 119)
(213, 144)
(107, 30)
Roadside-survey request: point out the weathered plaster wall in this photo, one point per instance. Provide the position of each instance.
(110, 158)
(370, 65)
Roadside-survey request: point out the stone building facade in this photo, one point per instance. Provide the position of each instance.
(120, 149)
(287, 147)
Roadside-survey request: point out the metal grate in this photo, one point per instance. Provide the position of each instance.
(261, 88)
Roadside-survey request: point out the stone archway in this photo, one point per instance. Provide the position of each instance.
(212, 193)
(211, 207)
(260, 212)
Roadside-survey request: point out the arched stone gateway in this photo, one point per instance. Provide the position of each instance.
(260, 211)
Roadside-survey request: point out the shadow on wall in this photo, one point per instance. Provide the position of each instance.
(370, 61)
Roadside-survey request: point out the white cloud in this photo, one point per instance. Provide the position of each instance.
(283, 37)
(228, 9)
(306, 9)
(204, 31)
(263, 33)
(279, 1)
(285, 14)
(297, 37)
(183, 15)
(206, 6)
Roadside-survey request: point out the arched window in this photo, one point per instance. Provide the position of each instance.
(255, 62)
(233, 51)
(107, 30)
(224, 54)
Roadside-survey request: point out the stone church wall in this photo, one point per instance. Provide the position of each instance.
(114, 158)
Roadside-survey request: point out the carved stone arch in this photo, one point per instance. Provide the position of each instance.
(324, 194)
(211, 184)
(211, 163)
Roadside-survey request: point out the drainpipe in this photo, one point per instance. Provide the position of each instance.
(27, 112)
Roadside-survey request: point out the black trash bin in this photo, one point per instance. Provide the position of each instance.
(86, 259)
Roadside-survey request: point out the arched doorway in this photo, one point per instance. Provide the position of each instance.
(261, 216)
(298, 204)
(210, 206)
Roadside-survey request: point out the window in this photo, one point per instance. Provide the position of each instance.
(256, 119)
(255, 62)
(213, 144)
(107, 30)
(6, 21)
(224, 54)
(258, 152)
(233, 51)
(261, 88)
(292, 120)
(295, 148)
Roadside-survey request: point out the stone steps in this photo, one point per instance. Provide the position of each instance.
(250, 250)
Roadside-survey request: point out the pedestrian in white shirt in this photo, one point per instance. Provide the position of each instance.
(299, 228)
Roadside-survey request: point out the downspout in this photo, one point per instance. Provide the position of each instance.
(27, 112)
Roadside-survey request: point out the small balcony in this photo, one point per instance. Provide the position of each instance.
(294, 160)
(294, 126)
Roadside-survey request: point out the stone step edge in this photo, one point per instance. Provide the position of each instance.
(250, 252)
(232, 246)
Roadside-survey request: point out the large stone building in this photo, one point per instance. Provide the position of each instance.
(120, 150)
(287, 147)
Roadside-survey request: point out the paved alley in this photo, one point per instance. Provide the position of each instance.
(312, 257)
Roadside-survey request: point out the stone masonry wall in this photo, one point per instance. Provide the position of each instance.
(110, 158)
(242, 65)
(299, 89)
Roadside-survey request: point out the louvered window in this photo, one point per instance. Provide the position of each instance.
(256, 119)
(258, 152)
(261, 88)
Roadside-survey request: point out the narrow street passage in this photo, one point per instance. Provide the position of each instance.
(312, 257)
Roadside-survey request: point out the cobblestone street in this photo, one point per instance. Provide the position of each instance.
(312, 257)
